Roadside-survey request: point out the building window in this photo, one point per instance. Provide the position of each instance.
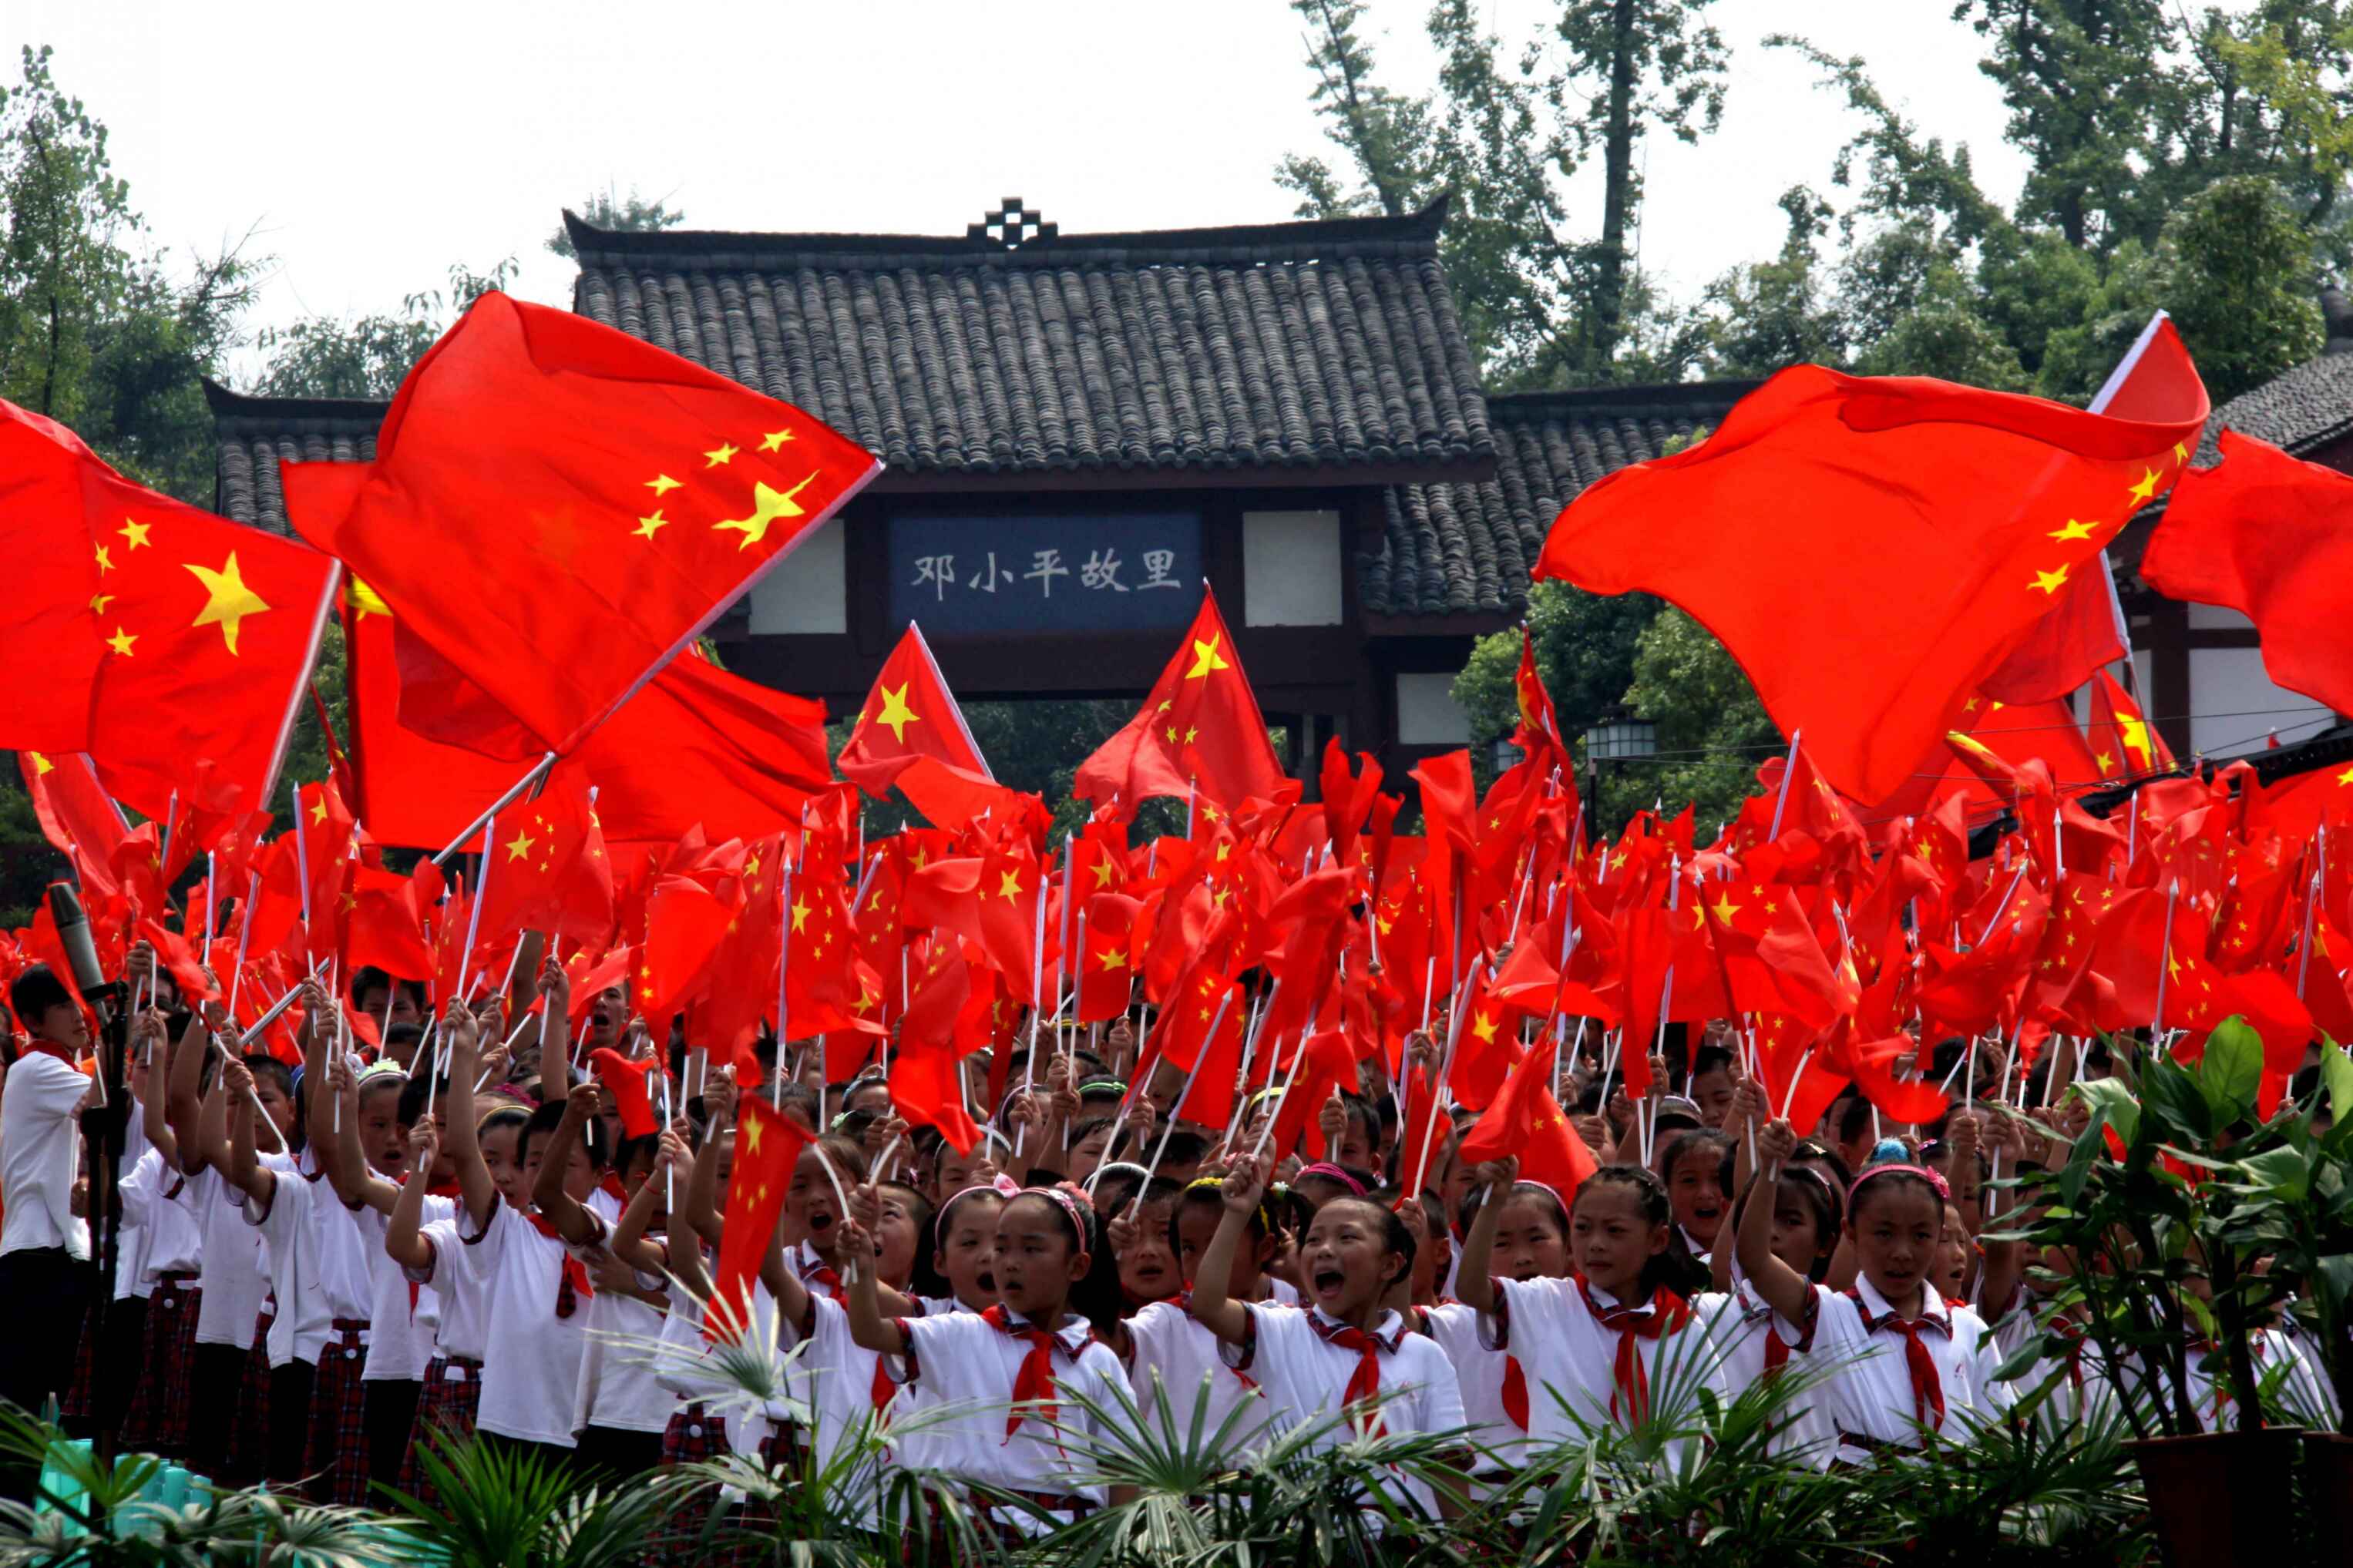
(1428, 714)
(807, 592)
(1291, 568)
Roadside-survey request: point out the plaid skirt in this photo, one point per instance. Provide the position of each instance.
(81, 1394)
(336, 1455)
(447, 1404)
(249, 1443)
(157, 1420)
(692, 1436)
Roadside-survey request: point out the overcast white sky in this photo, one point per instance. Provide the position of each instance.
(368, 147)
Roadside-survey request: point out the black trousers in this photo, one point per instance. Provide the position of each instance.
(215, 1382)
(47, 1291)
(388, 1411)
(121, 1362)
(290, 1421)
(610, 1456)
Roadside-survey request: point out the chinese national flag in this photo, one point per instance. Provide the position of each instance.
(1527, 1121)
(547, 870)
(1009, 891)
(2271, 537)
(924, 1090)
(161, 633)
(827, 988)
(1199, 722)
(696, 745)
(910, 713)
(386, 924)
(1538, 734)
(767, 1144)
(1184, 1037)
(2080, 632)
(2124, 743)
(75, 817)
(608, 499)
(1869, 550)
(1107, 975)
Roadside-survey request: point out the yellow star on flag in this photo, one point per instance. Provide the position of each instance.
(1483, 1026)
(774, 439)
(319, 808)
(896, 713)
(649, 526)
(1725, 909)
(97, 603)
(41, 764)
(2135, 738)
(1008, 884)
(751, 1134)
(1205, 659)
(800, 912)
(1115, 958)
(767, 505)
(1104, 873)
(2103, 763)
(520, 845)
(2072, 530)
(366, 601)
(121, 640)
(2147, 486)
(720, 454)
(228, 601)
(134, 531)
(2050, 581)
(2345, 777)
(661, 484)
(105, 562)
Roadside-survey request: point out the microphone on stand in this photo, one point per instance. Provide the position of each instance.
(81, 950)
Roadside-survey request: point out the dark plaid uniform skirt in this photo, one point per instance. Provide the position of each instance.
(80, 1402)
(336, 1457)
(250, 1443)
(694, 1435)
(158, 1417)
(447, 1404)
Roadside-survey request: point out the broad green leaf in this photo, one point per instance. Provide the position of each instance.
(2280, 1171)
(2336, 1077)
(2109, 1098)
(2231, 1071)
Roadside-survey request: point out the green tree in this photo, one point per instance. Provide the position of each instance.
(1769, 314)
(2235, 270)
(368, 356)
(1713, 731)
(609, 210)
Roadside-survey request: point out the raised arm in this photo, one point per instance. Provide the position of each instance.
(183, 1110)
(1473, 1285)
(628, 1242)
(558, 1207)
(475, 1190)
(339, 1154)
(1785, 1289)
(867, 1326)
(554, 1027)
(1216, 1311)
(703, 1187)
(403, 1232)
(154, 1087)
(245, 1171)
(680, 1242)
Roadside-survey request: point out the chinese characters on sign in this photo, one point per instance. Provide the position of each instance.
(1102, 572)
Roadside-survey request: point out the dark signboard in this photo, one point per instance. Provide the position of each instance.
(1091, 573)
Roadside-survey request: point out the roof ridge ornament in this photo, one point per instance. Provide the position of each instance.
(1010, 226)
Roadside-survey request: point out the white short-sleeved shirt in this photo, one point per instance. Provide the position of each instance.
(1869, 1389)
(1752, 1342)
(1481, 1373)
(684, 1369)
(1172, 1353)
(345, 1277)
(176, 1242)
(139, 1179)
(966, 1362)
(289, 1238)
(2280, 1364)
(1569, 1356)
(232, 1274)
(531, 1365)
(404, 1314)
(40, 1156)
(1306, 1377)
(454, 1273)
(618, 1389)
(841, 1382)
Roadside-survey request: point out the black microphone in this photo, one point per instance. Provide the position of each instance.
(73, 935)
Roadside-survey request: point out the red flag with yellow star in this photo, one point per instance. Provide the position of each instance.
(1107, 963)
(1199, 725)
(2124, 743)
(547, 868)
(828, 988)
(607, 497)
(767, 1144)
(162, 634)
(75, 817)
(1538, 733)
(1871, 549)
(910, 713)
(1526, 1121)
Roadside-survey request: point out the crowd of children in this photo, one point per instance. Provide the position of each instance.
(482, 1234)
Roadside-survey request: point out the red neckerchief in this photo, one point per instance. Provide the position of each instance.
(817, 1273)
(572, 1287)
(1365, 1382)
(1777, 1348)
(1183, 1302)
(1666, 1313)
(1515, 1377)
(1034, 1392)
(51, 1049)
(611, 1188)
(1928, 1386)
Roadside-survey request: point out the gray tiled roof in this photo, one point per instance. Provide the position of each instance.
(1330, 345)
(255, 434)
(1466, 548)
(2297, 410)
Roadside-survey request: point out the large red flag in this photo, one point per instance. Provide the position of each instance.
(2085, 628)
(924, 1090)
(1527, 1121)
(2271, 537)
(161, 633)
(609, 498)
(1199, 722)
(547, 869)
(908, 713)
(767, 1145)
(75, 817)
(2125, 746)
(1870, 549)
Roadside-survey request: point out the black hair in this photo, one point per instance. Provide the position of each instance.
(1096, 1298)
(1811, 1187)
(1088, 1127)
(1116, 1183)
(1855, 1119)
(34, 992)
(1711, 1059)
(1650, 1199)
(1476, 1198)
(1700, 1140)
(1396, 1237)
(368, 977)
(1293, 1212)
(592, 1135)
(1184, 1147)
(1842, 1175)
(852, 1124)
(500, 1117)
(1360, 1111)
(1159, 1190)
(1881, 1178)
(645, 1146)
(1208, 1192)
(415, 1092)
